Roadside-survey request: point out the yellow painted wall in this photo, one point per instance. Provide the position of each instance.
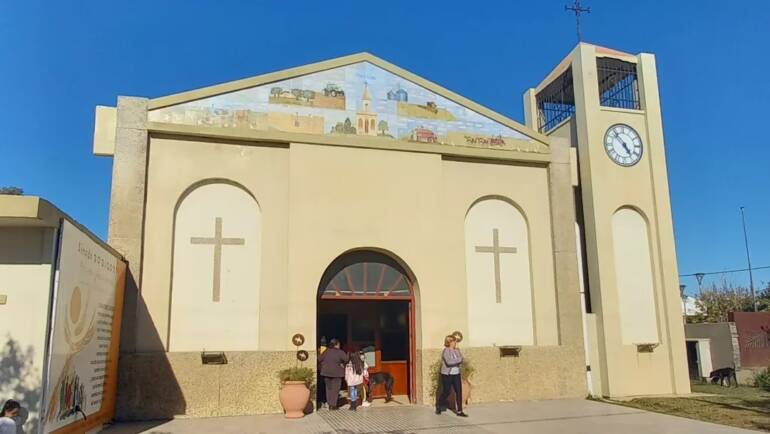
(25, 278)
(318, 202)
(175, 166)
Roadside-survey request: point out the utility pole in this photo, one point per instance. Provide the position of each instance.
(748, 259)
(682, 286)
(577, 9)
(699, 276)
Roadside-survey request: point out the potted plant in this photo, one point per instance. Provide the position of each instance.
(466, 372)
(295, 390)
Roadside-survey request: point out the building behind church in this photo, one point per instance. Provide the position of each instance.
(353, 199)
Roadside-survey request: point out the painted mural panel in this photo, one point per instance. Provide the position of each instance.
(357, 99)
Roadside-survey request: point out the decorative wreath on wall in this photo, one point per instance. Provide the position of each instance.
(298, 339)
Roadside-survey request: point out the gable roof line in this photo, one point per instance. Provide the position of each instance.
(232, 86)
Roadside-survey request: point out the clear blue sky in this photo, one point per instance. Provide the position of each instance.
(60, 59)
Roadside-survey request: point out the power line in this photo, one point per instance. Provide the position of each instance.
(726, 271)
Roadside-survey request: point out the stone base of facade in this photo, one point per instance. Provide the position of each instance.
(165, 385)
(537, 373)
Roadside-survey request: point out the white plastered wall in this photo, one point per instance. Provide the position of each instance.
(633, 275)
(25, 280)
(509, 320)
(198, 321)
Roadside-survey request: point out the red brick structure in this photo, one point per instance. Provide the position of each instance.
(753, 338)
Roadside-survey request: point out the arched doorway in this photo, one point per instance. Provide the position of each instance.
(366, 300)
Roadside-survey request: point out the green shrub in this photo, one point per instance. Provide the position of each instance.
(762, 379)
(297, 374)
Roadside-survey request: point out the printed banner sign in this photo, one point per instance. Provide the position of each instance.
(81, 370)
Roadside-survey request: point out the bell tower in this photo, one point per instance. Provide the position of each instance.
(606, 103)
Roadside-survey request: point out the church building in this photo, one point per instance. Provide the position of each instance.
(352, 199)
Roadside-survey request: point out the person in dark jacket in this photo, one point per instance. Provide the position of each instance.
(333, 362)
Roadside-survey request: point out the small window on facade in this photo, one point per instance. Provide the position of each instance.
(618, 83)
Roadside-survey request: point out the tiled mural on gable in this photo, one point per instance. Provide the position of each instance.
(357, 99)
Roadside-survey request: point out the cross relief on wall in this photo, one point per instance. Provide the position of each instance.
(496, 250)
(217, 241)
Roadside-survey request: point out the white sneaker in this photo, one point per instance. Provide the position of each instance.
(366, 404)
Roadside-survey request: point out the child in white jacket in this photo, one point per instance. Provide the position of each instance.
(356, 372)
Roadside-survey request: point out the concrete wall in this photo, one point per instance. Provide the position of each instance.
(342, 199)
(723, 354)
(318, 202)
(25, 280)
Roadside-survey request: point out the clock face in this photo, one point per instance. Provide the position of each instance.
(623, 145)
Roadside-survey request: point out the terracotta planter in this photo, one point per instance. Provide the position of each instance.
(294, 397)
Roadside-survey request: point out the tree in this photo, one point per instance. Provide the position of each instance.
(297, 93)
(716, 303)
(275, 92)
(14, 191)
(763, 298)
(383, 127)
(348, 127)
(308, 95)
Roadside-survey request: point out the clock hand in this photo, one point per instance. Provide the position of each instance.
(625, 146)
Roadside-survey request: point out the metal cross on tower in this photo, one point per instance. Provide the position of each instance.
(577, 9)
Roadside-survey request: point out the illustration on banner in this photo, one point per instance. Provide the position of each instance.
(68, 392)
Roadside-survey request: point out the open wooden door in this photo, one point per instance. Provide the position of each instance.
(375, 294)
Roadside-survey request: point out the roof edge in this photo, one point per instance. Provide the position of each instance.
(566, 61)
(232, 86)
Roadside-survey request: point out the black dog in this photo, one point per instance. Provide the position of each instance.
(720, 375)
(380, 378)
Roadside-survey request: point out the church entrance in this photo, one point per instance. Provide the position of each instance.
(366, 300)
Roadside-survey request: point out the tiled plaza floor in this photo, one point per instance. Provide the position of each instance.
(542, 417)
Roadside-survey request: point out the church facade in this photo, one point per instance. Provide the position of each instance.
(353, 199)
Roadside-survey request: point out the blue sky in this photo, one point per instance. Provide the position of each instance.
(60, 59)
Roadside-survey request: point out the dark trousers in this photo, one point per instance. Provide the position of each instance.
(453, 382)
(321, 391)
(332, 390)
